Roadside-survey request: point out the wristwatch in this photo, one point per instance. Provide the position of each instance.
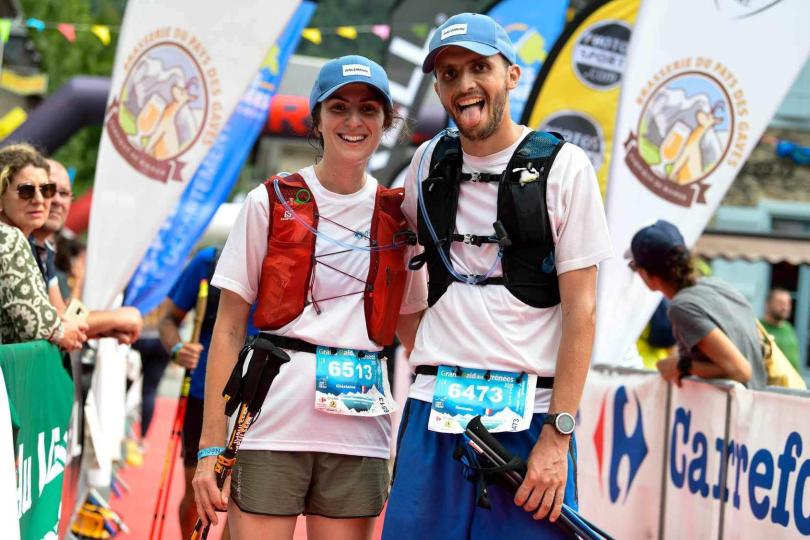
(563, 422)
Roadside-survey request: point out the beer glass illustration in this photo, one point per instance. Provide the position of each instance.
(147, 120)
(673, 144)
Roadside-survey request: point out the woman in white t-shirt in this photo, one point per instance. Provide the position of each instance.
(321, 252)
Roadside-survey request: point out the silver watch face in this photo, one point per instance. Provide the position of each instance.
(565, 423)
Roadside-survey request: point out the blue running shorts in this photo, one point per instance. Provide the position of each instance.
(431, 498)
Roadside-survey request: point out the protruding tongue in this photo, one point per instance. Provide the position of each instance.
(471, 115)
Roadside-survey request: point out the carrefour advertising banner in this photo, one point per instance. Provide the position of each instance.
(697, 428)
(180, 69)
(768, 487)
(620, 452)
(577, 91)
(701, 83)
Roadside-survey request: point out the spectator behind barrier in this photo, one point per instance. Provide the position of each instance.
(70, 263)
(713, 324)
(775, 321)
(25, 196)
(123, 323)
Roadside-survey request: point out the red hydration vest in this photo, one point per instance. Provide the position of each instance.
(287, 267)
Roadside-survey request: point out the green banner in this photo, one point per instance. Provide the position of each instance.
(40, 396)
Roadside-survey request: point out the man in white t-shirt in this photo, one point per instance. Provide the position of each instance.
(513, 229)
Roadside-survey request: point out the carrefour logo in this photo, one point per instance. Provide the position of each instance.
(766, 478)
(628, 445)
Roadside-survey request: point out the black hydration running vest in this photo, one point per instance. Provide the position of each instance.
(522, 228)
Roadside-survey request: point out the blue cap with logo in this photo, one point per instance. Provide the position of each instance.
(473, 31)
(651, 244)
(339, 72)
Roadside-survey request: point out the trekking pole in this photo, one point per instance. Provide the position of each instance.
(164, 491)
(248, 393)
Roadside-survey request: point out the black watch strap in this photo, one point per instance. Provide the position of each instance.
(685, 366)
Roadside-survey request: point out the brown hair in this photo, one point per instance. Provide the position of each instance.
(16, 157)
(677, 268)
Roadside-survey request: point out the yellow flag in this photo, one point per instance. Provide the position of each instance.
(5, 30)
(348, 32)
(102, 32)
(312, 34)
(11, 121)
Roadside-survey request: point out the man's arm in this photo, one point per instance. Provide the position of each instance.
(55, 297)
(543, 488)
(229, 336)
(169, 328)
(124, 324)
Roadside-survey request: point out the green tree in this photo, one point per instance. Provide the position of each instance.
(63, 60)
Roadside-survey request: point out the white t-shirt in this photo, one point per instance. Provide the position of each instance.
(486, 326)
(288, 420)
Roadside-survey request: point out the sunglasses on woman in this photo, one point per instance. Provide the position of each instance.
(27, 191)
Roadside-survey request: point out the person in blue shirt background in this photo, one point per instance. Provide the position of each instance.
(194, 356)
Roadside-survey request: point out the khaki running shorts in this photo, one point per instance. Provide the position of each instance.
(277, 483)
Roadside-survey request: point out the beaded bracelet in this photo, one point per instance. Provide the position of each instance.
(209, 452)
(175, 350)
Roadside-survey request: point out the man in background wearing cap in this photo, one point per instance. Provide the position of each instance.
(712, 322)
(124, 323)
(513, 228)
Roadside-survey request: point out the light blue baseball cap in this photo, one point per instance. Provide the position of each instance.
(473, 31)
(345, 70)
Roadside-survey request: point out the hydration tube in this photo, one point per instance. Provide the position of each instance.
(324, 236)
(469, 279)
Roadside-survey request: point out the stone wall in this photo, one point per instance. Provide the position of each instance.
(765, 176)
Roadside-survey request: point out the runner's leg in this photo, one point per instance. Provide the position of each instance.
(321, 528)
(246, 526)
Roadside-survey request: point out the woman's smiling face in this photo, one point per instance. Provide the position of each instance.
(351, 123)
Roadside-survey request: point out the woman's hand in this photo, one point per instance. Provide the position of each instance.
(73, 336)
(207, 495)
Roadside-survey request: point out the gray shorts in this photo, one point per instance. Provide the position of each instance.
(278, 483)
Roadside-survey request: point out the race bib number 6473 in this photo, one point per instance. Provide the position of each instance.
(504, 400)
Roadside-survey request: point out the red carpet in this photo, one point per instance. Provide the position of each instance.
(136, 507)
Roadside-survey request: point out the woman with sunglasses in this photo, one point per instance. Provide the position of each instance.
(25, 311)
(321, 253)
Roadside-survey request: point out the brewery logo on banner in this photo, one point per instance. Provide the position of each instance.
(579, 129)
(627, 443)
(599, 54)
(170, 91)
(692, 122)
(740, 9)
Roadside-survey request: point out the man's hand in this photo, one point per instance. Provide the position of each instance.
(543, 489)
(189, 355)
(128, 324)
(207, 496)
(668, 367)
